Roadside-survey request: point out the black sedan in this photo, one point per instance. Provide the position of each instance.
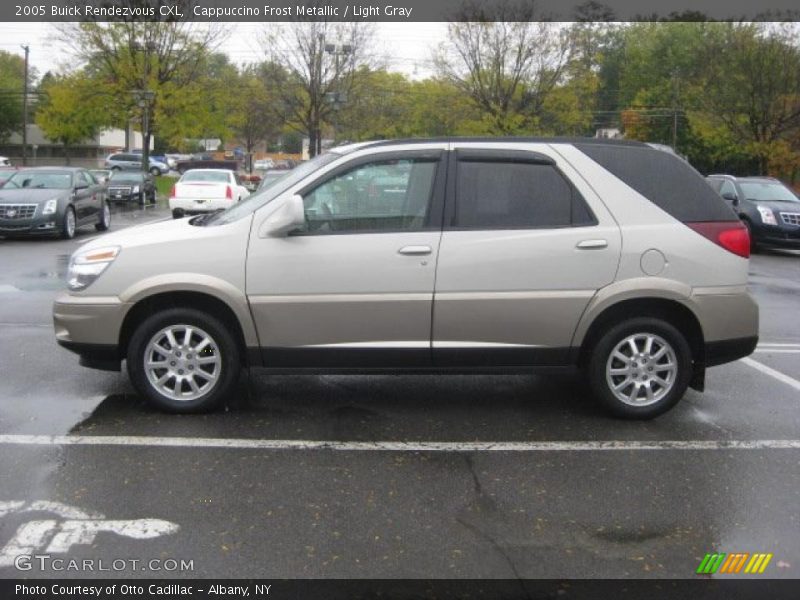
(52, 201)
(132, 186)
(769, 209)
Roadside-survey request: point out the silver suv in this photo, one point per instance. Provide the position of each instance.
(454, 256)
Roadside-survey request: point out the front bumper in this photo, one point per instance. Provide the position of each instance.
(38, 225)
(780, 236)
(90, 327)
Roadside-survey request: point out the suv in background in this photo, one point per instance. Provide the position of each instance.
(449, 256)
(133, 162)
(769, 209)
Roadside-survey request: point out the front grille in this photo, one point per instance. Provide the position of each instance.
(13, 212)
(119, 191)
(791, 218)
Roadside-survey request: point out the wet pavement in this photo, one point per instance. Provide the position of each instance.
(243, 511)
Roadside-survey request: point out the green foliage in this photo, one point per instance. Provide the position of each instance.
(72, 111)
(12, 75)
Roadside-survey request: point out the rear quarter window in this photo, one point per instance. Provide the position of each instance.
(666, 180)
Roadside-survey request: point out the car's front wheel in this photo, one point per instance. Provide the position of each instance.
(155, 171)
(183, 360)
(68, 224)
(640, 368)
(105, 218)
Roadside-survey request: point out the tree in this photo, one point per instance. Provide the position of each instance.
(321, 59)
(753, 85)
(254, 118)
(12, 74)
(506, 62)
(139, 61)
(70, 112)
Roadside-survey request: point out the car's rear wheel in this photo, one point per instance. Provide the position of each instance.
(640, 368)
(105, 218)
(183, 360)
(68, 224)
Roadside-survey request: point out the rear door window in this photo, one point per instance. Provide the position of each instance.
(497, 194)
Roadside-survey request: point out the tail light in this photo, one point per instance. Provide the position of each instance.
(731, 235)
(229, 192)
(172, 193)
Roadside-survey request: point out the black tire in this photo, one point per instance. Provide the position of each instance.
(228, 375)
(105, 218)
(155, 171)
(68, 233)
(177, 213)
(152, 198)
(608, 342)
(116, 168)
(749, 226)
(142, 200)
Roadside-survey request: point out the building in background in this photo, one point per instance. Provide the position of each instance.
(90, 154)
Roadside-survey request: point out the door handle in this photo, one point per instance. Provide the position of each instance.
(415, 250)
(592, 244)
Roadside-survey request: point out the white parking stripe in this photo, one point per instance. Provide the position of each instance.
(392, 446)
(777, 350)
(790, 381)
(776, 345)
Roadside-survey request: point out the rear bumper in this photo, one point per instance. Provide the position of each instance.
(725, 351)
(199, 205)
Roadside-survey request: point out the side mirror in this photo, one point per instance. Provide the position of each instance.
(731, 197)
(287, 218)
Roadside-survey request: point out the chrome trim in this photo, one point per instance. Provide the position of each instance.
(21, 211)
(790, 218)
(421, 344)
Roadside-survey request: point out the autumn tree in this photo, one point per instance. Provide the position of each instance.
(71, 111)
(321, 59)
(142, 63)
(11, 80)
(505, 60)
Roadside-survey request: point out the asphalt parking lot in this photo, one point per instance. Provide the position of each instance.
(389, 476)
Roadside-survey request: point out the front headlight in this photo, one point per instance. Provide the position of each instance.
(135, 189)
(85, 267)
(50, 207)
(767, 216)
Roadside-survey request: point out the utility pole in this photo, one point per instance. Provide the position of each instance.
(25, 109)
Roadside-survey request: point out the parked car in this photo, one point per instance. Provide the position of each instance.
(206, 190)
(199, 162)
(102, 175)
(52, 201)
(132, 186)
(769, 209)
(270, 177)
(263, 164)
(501, 255)
(133, 162)
(5, 173)
(160, 158)
(4, 162)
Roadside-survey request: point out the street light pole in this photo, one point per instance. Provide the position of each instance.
(25, 109)
(337, 99)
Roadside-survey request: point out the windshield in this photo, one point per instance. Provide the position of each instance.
(123, 177)
(766, 191)
(49, 180)
(265, 195)
(213, 176)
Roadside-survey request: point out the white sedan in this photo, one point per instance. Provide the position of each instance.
(206, 190)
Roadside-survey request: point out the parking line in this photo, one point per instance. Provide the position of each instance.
(393, 446)
(790, 381)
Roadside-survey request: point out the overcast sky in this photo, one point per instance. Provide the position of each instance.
(404, 47)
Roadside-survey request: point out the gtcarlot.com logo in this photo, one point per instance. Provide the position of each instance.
(735, 562)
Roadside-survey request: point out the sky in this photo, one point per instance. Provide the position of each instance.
(404, 47)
